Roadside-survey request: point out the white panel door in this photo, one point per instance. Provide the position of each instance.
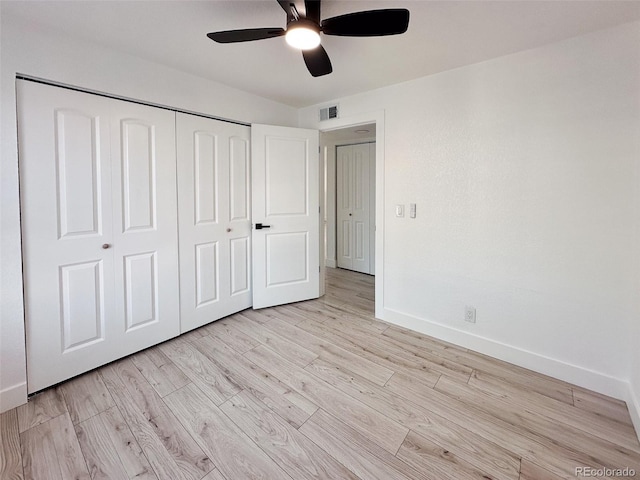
(285, 198)
(214, 216)
(355, 182)
(94, 177)
(145, 240)
(66, 219)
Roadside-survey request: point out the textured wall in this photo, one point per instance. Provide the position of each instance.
(524, 170)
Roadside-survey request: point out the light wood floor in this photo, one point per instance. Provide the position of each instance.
(317, 389)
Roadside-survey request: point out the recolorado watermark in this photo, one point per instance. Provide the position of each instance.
(605, 472)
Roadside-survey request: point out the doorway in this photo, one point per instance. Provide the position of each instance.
(349, 225)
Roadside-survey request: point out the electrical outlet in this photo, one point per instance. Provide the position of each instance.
(470, 314)
(399, 210)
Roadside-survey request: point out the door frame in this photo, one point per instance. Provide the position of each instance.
(376, 117)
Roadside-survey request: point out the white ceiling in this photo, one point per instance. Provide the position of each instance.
(442, 35)
(350, 134)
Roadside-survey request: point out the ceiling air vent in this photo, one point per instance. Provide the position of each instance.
(327, 113)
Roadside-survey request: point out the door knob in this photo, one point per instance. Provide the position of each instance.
(260, 226)
(349, 214)
(228, 230)
(105, 245)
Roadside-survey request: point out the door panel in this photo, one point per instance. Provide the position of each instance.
(83, 296)
(79, 173)
(285, 192)
(205, 159)
(141, 290)
(66, 208)
(213, 200)
(145, 244)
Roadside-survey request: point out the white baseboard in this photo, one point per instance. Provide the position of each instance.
(592, 380)
(330, 262)
(13, 397)
(633, 404)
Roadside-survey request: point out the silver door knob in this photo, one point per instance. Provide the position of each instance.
(105, 245)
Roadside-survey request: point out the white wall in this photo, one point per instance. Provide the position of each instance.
(30, 50)
(525, 174)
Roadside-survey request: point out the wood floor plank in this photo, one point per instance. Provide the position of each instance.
(214, 474)
(123, 379)
(290, 350)
(602, 405)
(558, 411)
(290, 449)
(531, 471)
(186, 453)
(383, 431)
(41, 408)
(417, 343)
(164, 378)
(10, 454)
(213, 381)
(233, 453)
(351, 338)
(51, 450)
(486, 456)
(234, 338)
(562, 434)
(326, 313)
(426, 456)
(287, 403)
(106, 459)
(86, 396)
(331, 352)
(165, 443)
(522, 443)
(355, 451)
(39, 456)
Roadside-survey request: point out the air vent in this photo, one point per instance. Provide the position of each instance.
(327, 113)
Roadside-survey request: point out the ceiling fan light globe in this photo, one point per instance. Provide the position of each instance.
(302, 37)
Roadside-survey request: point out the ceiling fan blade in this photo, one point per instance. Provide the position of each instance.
(372, 23)
(313, 10)
(317, 61)
(294, 8)
(245, 35)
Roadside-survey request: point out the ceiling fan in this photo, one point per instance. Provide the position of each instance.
(304, 27)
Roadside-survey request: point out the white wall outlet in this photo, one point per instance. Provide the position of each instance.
(470, 314)
(399, 210)
(412, 210)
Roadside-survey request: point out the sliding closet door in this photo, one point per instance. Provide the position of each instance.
(215, 219)
(145, 237)
(97, 185)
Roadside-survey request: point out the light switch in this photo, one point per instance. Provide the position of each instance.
(412, 210)
(399, 210)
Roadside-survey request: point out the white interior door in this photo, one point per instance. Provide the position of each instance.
(145, 230)
(286, 202)
(98, 229)
(215, 222)
(355, 204)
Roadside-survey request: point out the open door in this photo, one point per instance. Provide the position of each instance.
(286, 203)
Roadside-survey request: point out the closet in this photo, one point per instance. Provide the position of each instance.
(136, 224)
(355, 207)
